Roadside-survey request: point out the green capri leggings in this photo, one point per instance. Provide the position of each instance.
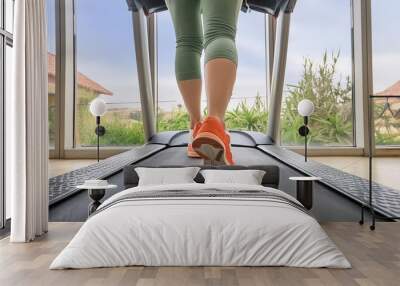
(219, 23)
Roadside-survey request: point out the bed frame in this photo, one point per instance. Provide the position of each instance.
(270, 179)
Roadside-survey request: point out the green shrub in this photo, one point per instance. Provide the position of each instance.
(248, 117)
(178, 119)
(52, 124)
(119, 132)
(331, 122)
(385, 124)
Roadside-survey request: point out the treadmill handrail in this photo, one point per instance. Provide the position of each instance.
(271, 7)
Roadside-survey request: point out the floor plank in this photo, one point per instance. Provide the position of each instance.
(385, 169)
(375, 257)
(59, 167)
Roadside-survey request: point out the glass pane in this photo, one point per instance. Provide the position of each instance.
(9, 15)
(106, 68)
(247, 109)
(172, 113)
(249, 93)
(2, 137)
(386, 70)
(1, 15)
(319, 68)
(8, 81)
(51, 56)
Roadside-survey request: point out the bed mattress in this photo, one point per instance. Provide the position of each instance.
(201, 225)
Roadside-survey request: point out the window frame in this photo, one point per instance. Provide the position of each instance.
(379, 150)
(320, 149)
(72, 148)
(360, 33)
(54, 152)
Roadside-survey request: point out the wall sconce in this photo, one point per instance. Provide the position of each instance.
(305, 109)
(98, 108)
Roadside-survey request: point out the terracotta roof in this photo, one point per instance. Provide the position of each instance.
(391, 90)
(83, 80)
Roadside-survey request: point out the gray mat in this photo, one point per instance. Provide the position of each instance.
(63, 186)
(385, 200)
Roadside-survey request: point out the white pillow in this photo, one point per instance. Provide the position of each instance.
(166, 176)
(247, 177)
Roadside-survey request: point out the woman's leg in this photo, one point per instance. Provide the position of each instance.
(220, 76)
(220, 21)
(186, 16)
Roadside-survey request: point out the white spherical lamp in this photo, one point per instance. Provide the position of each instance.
(98, 107)
(305, 107)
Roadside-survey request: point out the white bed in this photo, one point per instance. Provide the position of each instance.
(189, 231)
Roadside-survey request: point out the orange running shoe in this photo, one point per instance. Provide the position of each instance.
(190, 151)
(212, 141)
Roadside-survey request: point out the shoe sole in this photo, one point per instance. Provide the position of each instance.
(210, 147)
(193, 154)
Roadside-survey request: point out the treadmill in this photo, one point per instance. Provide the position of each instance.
(169, 148)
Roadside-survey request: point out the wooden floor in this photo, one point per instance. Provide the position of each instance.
(385, 169)
(59, 167)
(375, 257)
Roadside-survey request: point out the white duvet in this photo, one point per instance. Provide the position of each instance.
(200, 231)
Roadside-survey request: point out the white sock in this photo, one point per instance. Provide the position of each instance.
(190, 136)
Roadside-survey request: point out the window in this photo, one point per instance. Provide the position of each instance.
(6, 42)
(319, 68)
(247, 109)
(172, 113)
(51, 62)
(386, 70)
(106, 68)
(2, 125)
(8, 79)
(9, 19)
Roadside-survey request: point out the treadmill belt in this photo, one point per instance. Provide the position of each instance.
(328, 205)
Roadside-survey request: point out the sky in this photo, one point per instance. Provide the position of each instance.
(105, 48)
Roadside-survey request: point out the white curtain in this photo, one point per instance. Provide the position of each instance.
(26, 130)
